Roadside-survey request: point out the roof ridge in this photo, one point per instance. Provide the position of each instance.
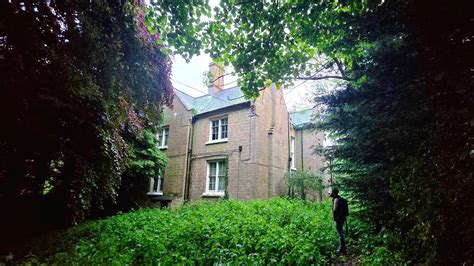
(292, 112)
(186, 93)
(203, 96)
(217, 94)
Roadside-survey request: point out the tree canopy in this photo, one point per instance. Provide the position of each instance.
(401, 115)
(82, 88)
(83, 84)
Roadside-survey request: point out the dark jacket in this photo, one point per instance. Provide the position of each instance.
(337, 210)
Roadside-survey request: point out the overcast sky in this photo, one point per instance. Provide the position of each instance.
(189, 78)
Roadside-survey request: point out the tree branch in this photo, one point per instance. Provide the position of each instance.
(243, 3)
(220, 76)
(339, 66)
(324, 77)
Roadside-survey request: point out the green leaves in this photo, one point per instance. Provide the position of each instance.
(146, 159)
(277, 231)
(88, 74)
(300, 182)
(179, 25)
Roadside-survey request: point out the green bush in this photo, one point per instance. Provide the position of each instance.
(300, 182)
(383, 248)
(277, 231)
(263, 232)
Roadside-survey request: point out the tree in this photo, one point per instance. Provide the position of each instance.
(82, 84)
(300, 182)
(146, 161)
(400, 115)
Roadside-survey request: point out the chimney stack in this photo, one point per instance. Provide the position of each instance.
(216, 78)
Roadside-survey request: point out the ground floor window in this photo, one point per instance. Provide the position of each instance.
(216, 177)
(156, 184)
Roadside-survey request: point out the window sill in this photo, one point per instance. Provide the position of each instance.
(155, 193)
(163, 147)
(213, 194)
(216, 141)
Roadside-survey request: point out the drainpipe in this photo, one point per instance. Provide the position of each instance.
(189, 146)
(186, 163)
(289, 151)
(302, 147)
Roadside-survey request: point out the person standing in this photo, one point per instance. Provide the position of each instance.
(340, 211)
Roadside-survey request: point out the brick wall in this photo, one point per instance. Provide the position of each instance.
(272, 144)
(307, 141)
(261, 128)
(240, 133)
(179, 121)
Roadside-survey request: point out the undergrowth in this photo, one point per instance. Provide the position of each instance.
(277, 231)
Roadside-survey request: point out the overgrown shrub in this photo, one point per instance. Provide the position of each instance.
(263, 232)
(302, 182)
(277, 231)
(146, 160)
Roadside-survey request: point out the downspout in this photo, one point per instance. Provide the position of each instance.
(289, 151)
(302, 162)
(302, 146)
(188, 161)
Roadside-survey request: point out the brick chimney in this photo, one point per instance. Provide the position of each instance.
(216, 78)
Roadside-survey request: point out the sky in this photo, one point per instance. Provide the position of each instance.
(189, 78)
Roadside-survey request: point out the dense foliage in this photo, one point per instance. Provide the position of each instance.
(146, 161)
(403, 128)
(80, 81)
(78, 76)
(303, 182)
(277, 231)
(401, 115)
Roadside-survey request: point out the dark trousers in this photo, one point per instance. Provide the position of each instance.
(340, 232)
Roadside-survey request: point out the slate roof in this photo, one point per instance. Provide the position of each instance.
(208, 103)
(302, 118)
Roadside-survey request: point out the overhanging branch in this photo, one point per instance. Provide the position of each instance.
(324, 77)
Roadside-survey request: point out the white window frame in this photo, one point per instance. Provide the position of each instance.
(163, 137)
(159, 187)
(216, 191)
(292, 153)
(219, 130)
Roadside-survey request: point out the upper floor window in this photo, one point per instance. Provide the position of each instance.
(216, 174)
(218, 129)
(163, 137)
(292, 152)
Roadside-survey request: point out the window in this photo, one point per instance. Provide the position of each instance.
(156, 184)
(218, 130)
(292, 153)
(163, 137)
(216, 176)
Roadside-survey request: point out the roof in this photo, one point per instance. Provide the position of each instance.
(208, 103)
(302, 118)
